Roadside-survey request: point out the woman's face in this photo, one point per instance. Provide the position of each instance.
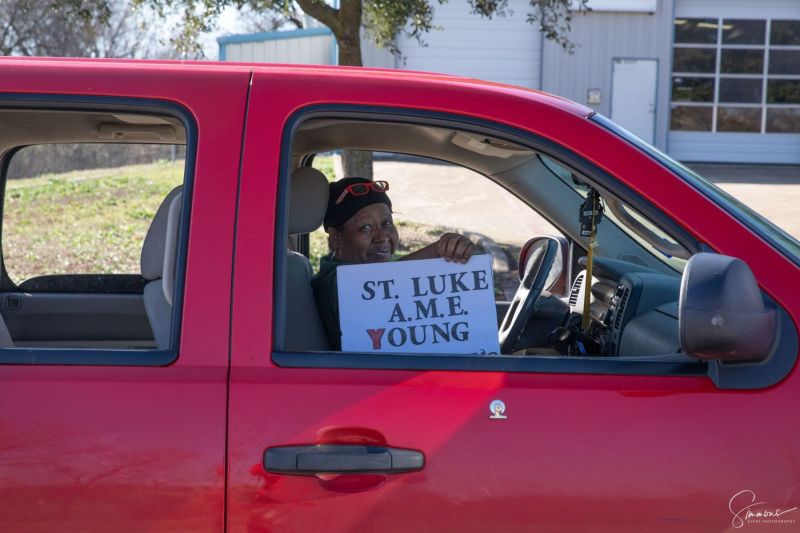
(368, 237)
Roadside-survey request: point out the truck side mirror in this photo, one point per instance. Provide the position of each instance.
(721, 313)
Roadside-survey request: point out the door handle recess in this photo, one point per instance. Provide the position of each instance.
(308, 460)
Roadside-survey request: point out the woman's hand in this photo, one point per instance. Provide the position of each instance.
(450, 247)
(455, 247)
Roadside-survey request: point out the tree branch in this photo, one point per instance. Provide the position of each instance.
(323, 13)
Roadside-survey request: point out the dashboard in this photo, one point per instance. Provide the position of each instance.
(634, 309)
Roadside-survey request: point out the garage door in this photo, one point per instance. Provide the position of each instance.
(736, 81)
(503, 49)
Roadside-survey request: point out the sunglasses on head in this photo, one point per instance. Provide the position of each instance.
(360, 189)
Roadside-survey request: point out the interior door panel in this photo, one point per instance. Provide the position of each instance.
(44, 318)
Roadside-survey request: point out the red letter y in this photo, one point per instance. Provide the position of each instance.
(376, 335)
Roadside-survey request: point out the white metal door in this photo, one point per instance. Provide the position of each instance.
(633, 96)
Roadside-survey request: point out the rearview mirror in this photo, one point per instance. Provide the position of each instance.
(721, 313)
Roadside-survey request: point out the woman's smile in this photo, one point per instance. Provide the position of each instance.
(370, 236)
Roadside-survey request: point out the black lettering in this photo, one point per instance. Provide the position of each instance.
(479, 280)
(432, 284)
(454, 302)
(386, 284)
(424, 311)
(397, 314)
(412, 332)
(455, 282)
(392, 338)
(368, 289)
(441, 331)
(417, 290)
(459, 333)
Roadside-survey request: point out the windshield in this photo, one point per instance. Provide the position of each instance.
(641, 229)
(777, 237)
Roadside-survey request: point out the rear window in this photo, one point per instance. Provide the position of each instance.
(84, 208)
(94, 232)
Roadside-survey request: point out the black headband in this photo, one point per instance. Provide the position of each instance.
(338, 214)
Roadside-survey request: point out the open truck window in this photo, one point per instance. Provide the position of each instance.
(556, 310)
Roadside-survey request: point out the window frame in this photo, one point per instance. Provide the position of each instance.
(638, 366)
(91, 356)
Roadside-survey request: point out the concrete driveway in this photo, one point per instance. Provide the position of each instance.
(771, 190)
(479, 206)
(454, 197)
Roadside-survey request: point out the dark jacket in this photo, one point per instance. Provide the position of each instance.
(326, 294)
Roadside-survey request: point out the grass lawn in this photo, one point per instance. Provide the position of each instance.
(83, 221)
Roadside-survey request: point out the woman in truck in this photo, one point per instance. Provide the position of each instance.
(361, 230)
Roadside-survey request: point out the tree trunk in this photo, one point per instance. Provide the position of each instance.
(357, 163)
(354, 162)
(350, 49)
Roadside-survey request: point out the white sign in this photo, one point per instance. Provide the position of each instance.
(425, 306)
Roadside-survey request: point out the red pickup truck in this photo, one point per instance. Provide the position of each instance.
(199, 393)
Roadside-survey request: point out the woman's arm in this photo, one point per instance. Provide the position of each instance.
(450, 247)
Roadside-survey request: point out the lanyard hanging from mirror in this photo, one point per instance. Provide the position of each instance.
(590, 216)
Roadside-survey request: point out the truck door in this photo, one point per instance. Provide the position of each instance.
(113, 377)
(332, 441)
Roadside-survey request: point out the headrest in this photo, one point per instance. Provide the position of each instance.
(308, 200)
(152, 259)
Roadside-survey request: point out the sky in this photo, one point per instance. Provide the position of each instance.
(230, 22)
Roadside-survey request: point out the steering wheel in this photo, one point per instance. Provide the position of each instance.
(538, 262)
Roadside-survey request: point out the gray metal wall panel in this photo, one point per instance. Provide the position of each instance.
(372, 56)
(503, 49)
(313, 50)
(601, 38)
(702, 147)
(738, 8)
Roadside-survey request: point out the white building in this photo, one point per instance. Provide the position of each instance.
(704, 80)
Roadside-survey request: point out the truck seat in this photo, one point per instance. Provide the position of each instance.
(308, 200)
(5, 336)
(307, 205)
(158, 260)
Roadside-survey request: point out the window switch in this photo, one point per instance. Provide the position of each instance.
(13, 303)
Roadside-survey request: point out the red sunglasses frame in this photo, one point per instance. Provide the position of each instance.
(356, 189)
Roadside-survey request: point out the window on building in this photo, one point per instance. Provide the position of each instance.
(736, 75)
